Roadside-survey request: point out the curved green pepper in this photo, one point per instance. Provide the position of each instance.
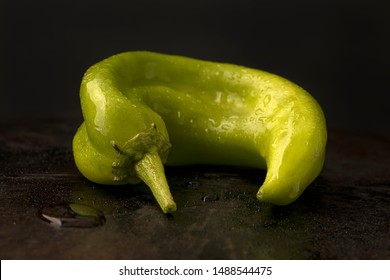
(142, 110)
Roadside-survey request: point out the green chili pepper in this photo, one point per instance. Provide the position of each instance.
(142, 110)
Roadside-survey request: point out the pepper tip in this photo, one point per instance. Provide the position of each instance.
(170, 208)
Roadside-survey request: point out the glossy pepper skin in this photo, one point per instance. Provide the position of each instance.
(142, 110)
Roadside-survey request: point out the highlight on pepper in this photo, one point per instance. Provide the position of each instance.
(144, 110)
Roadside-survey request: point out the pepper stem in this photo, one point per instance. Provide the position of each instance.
(151, 170)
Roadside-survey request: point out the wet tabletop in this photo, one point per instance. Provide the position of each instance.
(49, 211)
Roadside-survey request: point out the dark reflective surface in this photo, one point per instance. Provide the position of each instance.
(344, 214)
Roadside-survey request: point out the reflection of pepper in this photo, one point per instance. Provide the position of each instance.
(213, 113)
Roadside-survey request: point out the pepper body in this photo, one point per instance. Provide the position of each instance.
(142, 110)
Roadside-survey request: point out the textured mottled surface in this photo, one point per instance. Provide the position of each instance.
(345, 214)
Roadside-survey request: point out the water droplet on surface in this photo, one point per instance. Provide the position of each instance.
(210, 198)
(72, 215)
(226, 126)
(218, 97)
(212, 121)
(266, 100)
(193, 184)
(259, 111)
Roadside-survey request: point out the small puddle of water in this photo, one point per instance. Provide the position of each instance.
(72, 215)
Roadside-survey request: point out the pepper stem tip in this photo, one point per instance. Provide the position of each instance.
(151, 171)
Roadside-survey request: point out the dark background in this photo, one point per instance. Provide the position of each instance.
(338, 50)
